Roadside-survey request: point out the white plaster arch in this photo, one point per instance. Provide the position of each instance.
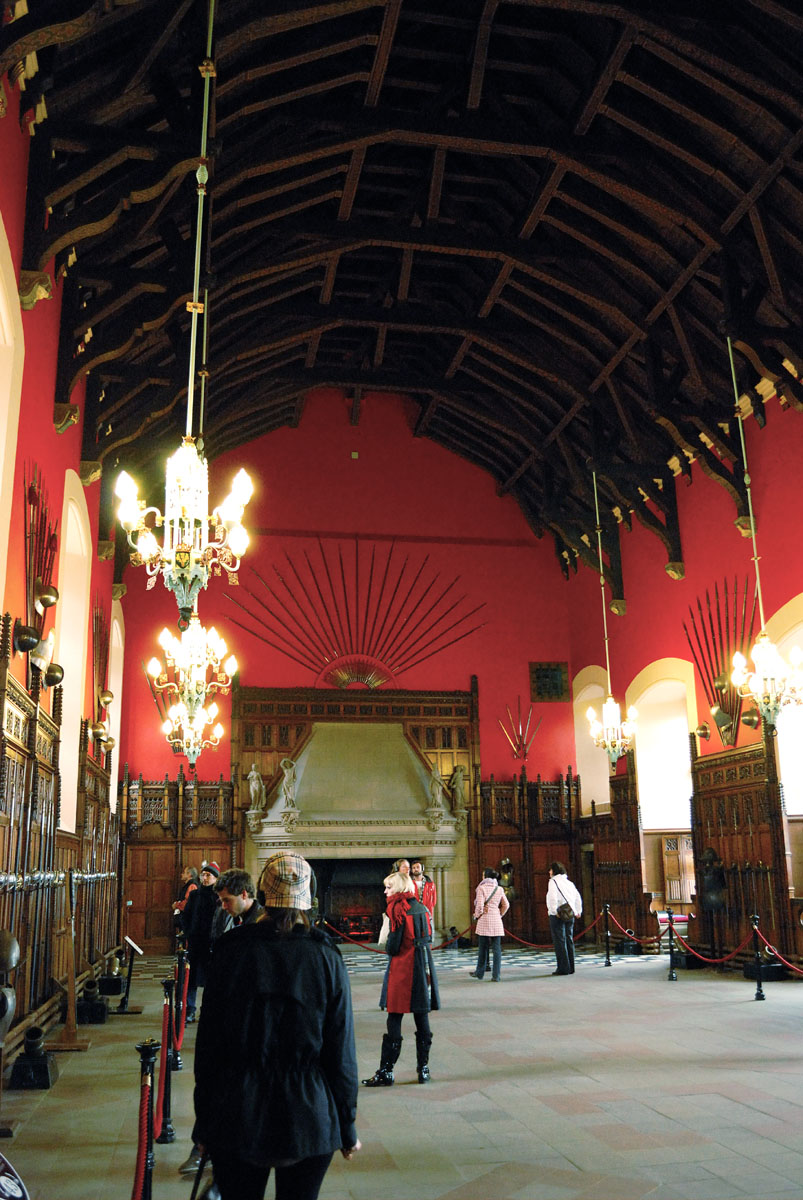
(72, 634)
(785, 627)
(589, 688)
(664, 695)
(12, 356)
(116, 657)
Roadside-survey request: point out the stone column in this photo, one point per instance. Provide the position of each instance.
(440, 877)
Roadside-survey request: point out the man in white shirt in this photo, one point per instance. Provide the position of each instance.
(561, 891)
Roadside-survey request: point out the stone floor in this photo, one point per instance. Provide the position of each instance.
(610, 1084)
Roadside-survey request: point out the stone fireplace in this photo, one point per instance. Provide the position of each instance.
(362, 796)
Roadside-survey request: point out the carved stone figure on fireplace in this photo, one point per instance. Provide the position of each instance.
(289, 782)
(436, 787)
(256, 788)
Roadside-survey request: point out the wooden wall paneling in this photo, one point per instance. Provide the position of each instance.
(618, 854)
(741, 839)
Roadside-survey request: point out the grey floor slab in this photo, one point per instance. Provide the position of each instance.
(609, 1085)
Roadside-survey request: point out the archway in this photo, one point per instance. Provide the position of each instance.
(75, 569)
(116, 656)
(12, 354)
(589, 689)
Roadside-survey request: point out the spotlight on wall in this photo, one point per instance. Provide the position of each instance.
(703, 731)
(751, 718)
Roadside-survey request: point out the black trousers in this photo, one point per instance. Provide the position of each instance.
(563, 941)
(395, 1023)
(239, 1180)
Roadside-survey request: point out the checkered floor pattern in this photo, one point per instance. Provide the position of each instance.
(362, 960)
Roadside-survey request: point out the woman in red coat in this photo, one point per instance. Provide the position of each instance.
(410, 984)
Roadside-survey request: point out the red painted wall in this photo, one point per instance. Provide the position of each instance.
(39, 446)
(401, 487)
(713, 549)
(433, 502)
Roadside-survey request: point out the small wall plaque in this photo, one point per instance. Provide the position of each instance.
(549, 682)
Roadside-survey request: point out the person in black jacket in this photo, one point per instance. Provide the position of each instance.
(275, 1063)
(199, 912)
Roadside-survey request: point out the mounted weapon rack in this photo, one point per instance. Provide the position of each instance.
(36, 856)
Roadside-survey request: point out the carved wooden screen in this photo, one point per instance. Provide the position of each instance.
(618, 867)
(739, 827)
(170, 823)
(529, 824)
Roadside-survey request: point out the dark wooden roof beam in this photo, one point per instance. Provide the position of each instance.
(606, 78)
(384, 45)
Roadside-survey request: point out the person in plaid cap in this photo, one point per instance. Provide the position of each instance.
(275, 1062)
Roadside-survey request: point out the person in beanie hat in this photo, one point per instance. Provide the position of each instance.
(199, 912)
(275, 1062)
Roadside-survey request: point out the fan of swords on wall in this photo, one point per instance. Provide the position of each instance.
(360, 616)
(724, 628)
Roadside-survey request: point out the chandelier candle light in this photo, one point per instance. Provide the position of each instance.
(611, 734)
(184, 677)
(189, 554)
(774, 683)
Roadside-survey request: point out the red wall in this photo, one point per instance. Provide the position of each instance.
(400, 487)
(39, 445)
(433, 502)
(713, 549)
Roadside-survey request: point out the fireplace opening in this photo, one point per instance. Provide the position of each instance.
(351, 896)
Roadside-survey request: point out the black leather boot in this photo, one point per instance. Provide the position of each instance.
(383, 1077)
(422, 1045)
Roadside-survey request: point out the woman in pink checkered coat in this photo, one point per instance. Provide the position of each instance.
(490, 905)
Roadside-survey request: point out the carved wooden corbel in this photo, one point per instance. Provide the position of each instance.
(65, 415)
(89, 472)
(118, 591)
(34, 285)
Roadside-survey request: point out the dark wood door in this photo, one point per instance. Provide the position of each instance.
(150, 888)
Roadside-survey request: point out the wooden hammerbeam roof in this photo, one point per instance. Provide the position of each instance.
(538, 218)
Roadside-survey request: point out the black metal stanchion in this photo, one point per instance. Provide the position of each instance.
(182, 966)
(757, 958)
(672, 976)
(174, 1002)
(167, 1132)
(606, 908)
(123, 1008)
(147, 1057)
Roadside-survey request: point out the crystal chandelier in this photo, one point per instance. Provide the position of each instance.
(774, 683)
(188, 554)
(196, 543)
(194, 668)
(611, 734)
(187, 734)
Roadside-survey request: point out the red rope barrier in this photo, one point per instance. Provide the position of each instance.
(142, 1143)
(160, 1094)
(703, 958)
(629, 933)
(533, 945)
(780, 957)
(450, 941)
(354, 941)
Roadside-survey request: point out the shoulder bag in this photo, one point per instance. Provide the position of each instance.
(565, 912)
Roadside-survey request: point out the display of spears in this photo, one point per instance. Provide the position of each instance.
(712, 648)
